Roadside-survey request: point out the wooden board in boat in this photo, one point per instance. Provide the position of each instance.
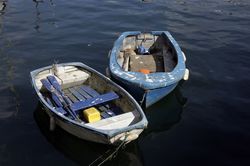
(154, 63)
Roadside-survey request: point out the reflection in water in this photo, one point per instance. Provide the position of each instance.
(51, 2)
(215, 125)
(2, 7)
(9, 98)
(38, 14)
(161, 116)
(38, 19)
(166, 113)
(80, 151)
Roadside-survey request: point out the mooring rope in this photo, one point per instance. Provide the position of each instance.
(143, 98)
(110, 156)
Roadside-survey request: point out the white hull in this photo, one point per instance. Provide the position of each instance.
(124, 127)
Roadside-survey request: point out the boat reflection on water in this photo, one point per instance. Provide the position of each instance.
(165, 113)
(80, 151)
(162, 117)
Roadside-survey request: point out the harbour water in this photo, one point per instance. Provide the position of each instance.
(204, 121)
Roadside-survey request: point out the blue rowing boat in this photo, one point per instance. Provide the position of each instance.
(87, 104)
(148, 65)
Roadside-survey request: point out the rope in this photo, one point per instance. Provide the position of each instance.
(110, 156)
(143, 98)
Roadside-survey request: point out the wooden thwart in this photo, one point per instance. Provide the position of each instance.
(107, 110)
(83, 102)
(94, 101)
(115, 122)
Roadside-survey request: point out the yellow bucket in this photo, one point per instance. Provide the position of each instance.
(91, 114)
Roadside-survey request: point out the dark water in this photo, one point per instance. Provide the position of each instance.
(211, 128)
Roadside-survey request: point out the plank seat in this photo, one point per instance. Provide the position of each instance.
(115, 122)
(78, 93)
(109, 109)
(94, 101)
(90, 91)
(84, 99)
(72, 98)
(83, 93)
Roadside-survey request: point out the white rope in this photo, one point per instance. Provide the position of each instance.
(110, 156)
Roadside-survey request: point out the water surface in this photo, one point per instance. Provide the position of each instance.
(211, 128)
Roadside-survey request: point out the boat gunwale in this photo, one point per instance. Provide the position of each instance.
(141, 124)
(152, 80)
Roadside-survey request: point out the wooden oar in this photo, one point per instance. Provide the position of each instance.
(57, 86)
(58, 98)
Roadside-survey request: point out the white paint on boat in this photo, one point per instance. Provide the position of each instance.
(148, 79)
(186, 75)
(115, 122)
(184, 56)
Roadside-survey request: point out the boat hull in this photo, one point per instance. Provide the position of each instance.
(154, 95)
(144, 97)
(146, 88)
(113, 137)
(91, 135)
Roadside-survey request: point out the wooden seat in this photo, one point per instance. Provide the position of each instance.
(152, 62)
(116, 122)
(93, 101)
(107, 109)
(77, 98)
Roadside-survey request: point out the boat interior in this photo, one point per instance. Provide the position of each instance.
(159, 56)
(81, 90)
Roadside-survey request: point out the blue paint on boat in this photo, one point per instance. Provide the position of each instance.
(148, 88)
(94, 101)
(154, 95)
(53, 87)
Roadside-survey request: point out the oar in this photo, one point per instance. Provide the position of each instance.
(58, 98)
(57, 86)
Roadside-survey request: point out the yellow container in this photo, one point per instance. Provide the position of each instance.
(92, 114)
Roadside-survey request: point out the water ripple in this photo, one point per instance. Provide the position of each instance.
(213, 34)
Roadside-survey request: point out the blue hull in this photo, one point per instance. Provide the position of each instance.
(144, 97)
(146, 88)
(152, 96)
